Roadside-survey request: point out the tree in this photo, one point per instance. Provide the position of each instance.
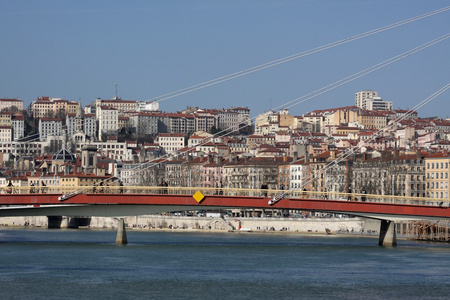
(30, 125)
(124, 134)
(147, 138)
(214, 130)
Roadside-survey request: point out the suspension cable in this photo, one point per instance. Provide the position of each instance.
(294, 102)
(328, 88)
(293, 57)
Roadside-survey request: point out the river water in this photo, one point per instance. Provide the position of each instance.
(87, 264)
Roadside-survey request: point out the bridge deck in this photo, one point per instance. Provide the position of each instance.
(375, 208)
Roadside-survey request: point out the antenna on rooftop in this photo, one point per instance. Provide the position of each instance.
(115, 98)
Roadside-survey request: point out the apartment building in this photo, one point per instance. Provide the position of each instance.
(49, 126)
(437, 175)
(171, 142)
(108, 121)
(53, 107)
(18, 126)
(11, 105)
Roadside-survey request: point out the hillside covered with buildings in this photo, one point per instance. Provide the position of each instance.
(368, 146)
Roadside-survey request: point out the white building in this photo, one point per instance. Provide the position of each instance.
(78, 123)
(112, 149)
(148, 106)
(299, 175)
(18, 126)
(22, 148)
(49, 126)
(378, 104)
(199, 138)
(146, 123)
(171, 142)
(362, 96)
(228, 120)
(108, 121)
(369, 100)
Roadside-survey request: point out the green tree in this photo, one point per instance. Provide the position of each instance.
(214, 130)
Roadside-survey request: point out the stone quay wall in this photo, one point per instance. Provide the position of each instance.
(301, 225)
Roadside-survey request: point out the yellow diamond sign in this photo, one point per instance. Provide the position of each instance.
(198, 197)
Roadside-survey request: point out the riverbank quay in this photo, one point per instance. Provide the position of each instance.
(228, 224)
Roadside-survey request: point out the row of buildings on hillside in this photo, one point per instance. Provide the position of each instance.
(62, 119)
(182, 139)
(390, 172)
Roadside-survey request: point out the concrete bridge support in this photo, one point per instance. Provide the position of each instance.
(58, 222)
(121, 238)
(388, 236)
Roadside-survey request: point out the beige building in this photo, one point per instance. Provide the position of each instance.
(315, 120)
(120, 105)
(5, 134)
(5, 119)
(53, 107)
(350, 132)
(342, 115)
(372, 120)
(437, 178)
(11, 105)
(83, 180)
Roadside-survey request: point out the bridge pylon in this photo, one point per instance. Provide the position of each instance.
(388, 236)
(121, 238)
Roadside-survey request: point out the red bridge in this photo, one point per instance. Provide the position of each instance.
(132, 201)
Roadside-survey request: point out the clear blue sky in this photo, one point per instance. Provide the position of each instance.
(79, 49)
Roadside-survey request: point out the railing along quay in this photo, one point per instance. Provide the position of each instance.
(235, 192)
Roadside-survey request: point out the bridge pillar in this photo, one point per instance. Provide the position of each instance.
(388, 236)
(65, 222)
(121, 238)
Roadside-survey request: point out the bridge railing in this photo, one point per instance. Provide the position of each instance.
(207, 191)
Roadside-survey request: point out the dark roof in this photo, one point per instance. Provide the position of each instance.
(64, 155)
